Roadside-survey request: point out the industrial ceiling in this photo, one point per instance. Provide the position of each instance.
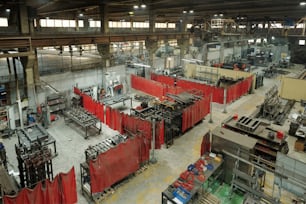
(166, 10)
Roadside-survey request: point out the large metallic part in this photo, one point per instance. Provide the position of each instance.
(274, 108)
(230, 141)
(269, 140)
(82, 118)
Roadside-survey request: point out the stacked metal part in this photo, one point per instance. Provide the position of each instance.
(34, 164)
(93, 151)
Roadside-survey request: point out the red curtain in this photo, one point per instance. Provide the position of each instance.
(68, 187)
(76, 91)
(195, 113)
(61, 191)
(163, 79)
(114, 165)
(100, 112)
(148, 86)
(108, 116)
(239, 89)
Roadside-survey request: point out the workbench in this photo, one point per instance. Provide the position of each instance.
(168, 195)
(35, 133)
(82, 118)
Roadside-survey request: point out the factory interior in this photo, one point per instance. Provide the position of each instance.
(147, 102)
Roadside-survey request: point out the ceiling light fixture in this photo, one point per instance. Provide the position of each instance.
(143, 5)
(302, 3)
(191, 11)
(131, 13)
(8, 10)
(184, 11)
(136, 7)
(81, 15)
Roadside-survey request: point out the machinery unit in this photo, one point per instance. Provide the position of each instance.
(34, 164)
(269, 140)
(273, 107)
(34, 155)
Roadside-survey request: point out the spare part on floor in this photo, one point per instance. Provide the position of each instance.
(84, 119)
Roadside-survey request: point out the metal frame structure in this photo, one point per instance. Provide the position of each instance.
(35, 133)
(82, 118)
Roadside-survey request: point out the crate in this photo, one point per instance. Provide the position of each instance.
(299, 145)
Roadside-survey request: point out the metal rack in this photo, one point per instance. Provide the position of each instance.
(91, 153)
(56, 102)
(82, 118)
(34, 164)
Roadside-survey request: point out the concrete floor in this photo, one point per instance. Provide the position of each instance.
(147, 186)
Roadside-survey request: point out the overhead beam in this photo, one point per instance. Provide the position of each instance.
(44, 41)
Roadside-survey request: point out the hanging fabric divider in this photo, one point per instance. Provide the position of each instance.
(61, 191)
(108, 115)
(195, 113)
(114, 165)
(100, 112)
(163, 79)
(68, 187)
(239, 89)
(76, 91)
(218, 95)
(148, 86)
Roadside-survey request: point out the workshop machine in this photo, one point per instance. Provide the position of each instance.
(269, 140)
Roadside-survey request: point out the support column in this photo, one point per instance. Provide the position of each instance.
(28, 64)
(151, 22)
(183, 43)
(151, 46)
(23, 19)
(140, 48)
(104, 18)
(205, 55)
(221, 57)
(104, 51)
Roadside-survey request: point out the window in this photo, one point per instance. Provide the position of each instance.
(119, 24)
(160, 25)
(3, 22)
(81, 23)
(50, 22)
(95, 24)
(59, 23)
(140, 24)
(171, 25)
(301, 42)
(189, 25)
